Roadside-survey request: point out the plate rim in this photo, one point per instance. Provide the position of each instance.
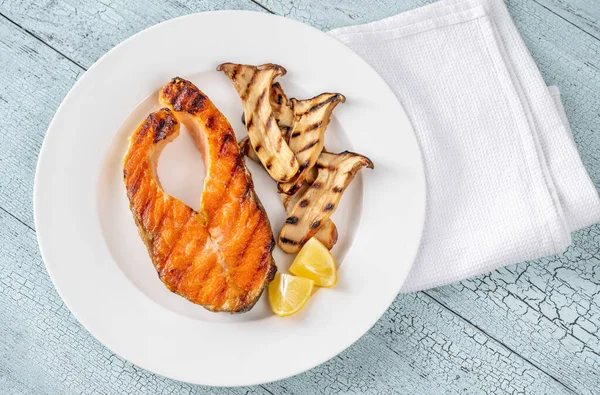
(43, 152)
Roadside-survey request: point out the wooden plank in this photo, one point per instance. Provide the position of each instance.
(85, 30)
(44, 350)
(448, 354)
(330, 14)
(27, 109)
(418, 347)
(549, 310)
(585, 14)
(572, 64)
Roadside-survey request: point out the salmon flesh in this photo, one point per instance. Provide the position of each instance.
(220, 256)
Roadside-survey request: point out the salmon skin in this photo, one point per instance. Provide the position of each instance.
(220, 256)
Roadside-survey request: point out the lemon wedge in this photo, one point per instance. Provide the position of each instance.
(315, 262)
(288, 294)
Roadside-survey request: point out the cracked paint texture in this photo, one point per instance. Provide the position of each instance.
(528, 328)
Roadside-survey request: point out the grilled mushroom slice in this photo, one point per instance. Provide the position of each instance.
(311, 118)
(327, 233)
(247, 150)
(315, 207)
(253, 84)
(284, 115)
(283, 109)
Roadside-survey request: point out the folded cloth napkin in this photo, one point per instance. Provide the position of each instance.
(505, 183)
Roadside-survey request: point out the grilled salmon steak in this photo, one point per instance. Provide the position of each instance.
(221, 255)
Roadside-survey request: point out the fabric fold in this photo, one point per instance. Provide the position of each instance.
(505, 182)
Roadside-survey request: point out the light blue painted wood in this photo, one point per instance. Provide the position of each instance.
(418, 347)
(553, 304)
(544, 315)
(85, 30)
(547, 311)
(585, 14)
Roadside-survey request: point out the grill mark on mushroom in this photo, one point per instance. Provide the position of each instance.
(323, 103)
(259, 103)
(335, 172)
(250, 83)
(285, 132)
(253, 84)
(315, 125)
(270, 121)
(282, 112)
(309, 146)
(282, 109)
(327, 233)
(311, 118)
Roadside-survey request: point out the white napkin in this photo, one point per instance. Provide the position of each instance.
(505, 183)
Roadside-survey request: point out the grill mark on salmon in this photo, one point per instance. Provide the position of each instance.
(221, 256)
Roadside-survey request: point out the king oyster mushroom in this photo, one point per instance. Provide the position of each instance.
(284, 116)
(253, 84)
(311, 117)
(247, 150)
(327, 233)
(283, 109)
(335, 172)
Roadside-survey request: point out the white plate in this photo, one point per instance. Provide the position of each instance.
(98, 263)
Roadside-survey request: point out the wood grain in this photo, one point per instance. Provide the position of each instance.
(417, 347)
(584, 14)
(529, 328)
(85, 30)
(568, 56)
(46, 351)
(549, 310)
(33, 81)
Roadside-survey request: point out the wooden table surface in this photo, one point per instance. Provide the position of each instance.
(527, 328)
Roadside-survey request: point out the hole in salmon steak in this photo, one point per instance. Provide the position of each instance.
(181, 170)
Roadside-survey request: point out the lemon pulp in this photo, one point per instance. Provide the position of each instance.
(315, 262)
(288, 294)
